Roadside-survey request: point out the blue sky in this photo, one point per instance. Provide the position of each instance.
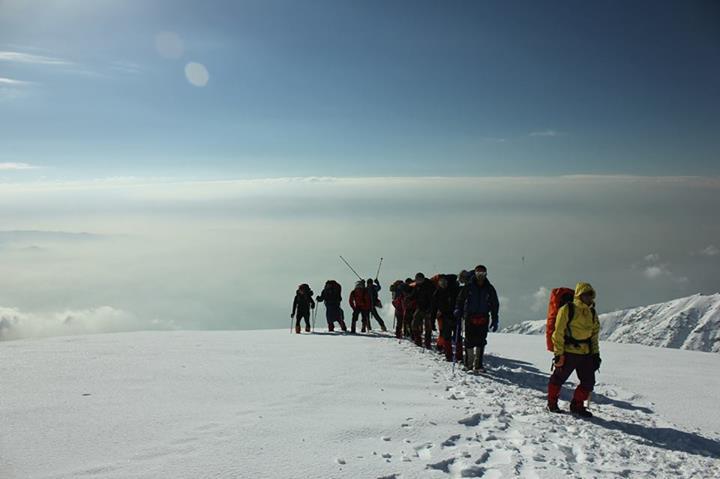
(219, 153)
(340, 88)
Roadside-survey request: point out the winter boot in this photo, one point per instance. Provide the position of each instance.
(479, 356)
(552, 406)
(331, 327)
(342, 325)
(297, 329)
(307, 328)
(470, 359)
(579, 409)
(553, 396)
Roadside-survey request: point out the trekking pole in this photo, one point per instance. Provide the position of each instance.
(313, 318)
(454, 347)
(351, 268)
(291, 325)
(378, 270)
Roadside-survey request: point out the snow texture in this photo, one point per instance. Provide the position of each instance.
(691, 323)
(267, 404)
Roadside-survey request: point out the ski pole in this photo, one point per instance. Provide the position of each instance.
(351, 268)
(313, 318)
(378, 270)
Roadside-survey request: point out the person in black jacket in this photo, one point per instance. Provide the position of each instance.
(443, 308)
(332, 297)
(302, 305)
(373, 287)
(422, 294)
(478, 305)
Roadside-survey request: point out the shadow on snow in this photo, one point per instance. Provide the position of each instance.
(524, 374)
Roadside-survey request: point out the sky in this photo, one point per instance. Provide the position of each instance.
(178, 164)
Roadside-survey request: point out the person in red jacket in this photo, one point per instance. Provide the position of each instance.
(361, 303)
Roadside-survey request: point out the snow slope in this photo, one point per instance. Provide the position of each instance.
(687, 323)
(268, 404)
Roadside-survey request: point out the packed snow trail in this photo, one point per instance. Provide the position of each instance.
(267, 404)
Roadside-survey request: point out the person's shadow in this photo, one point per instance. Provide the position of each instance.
(524, 374)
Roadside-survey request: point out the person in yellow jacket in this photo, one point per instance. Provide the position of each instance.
(577, 348)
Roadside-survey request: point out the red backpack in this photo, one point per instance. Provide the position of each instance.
(559, 297)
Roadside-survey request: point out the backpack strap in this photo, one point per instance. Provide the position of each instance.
(568, 332)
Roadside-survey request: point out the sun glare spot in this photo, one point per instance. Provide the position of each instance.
(197, 74)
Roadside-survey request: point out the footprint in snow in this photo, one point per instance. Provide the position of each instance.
(451, 441)
(443, 466)
(473, 420)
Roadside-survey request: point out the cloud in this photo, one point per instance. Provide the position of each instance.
(710, 250)
(126, 67)
(504, 304)
(652, 258)
(13, 82)
(654, 272)
(540, 299)
(31, 58)
(17, 166)
(16, 324)
(549, 133)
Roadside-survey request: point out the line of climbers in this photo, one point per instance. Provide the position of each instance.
(463, 308)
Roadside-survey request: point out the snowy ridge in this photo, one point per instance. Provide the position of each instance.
(527, 327)
(691, 323)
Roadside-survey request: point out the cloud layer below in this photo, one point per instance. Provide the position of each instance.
(230, 254)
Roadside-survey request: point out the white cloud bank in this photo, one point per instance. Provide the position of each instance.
(12, 82)
(547, 133)
(30, 58)
(710, 250)
(16, 166)
(17, 324)
(540, 299)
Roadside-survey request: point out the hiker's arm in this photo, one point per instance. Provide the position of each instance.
(595, 341)
(495, 305)
(558, 336)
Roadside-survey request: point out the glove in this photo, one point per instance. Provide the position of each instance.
(292, 315)
(559, 361)
(494, 326)
(596, 361)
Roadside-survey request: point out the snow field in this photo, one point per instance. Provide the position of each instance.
(270, 404)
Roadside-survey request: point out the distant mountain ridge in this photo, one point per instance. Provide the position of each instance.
(691, 323)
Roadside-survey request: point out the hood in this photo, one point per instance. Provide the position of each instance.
(583, 288)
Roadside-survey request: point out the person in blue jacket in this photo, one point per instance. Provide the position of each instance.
(478, 306)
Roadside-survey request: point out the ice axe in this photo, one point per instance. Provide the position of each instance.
(378, 270)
